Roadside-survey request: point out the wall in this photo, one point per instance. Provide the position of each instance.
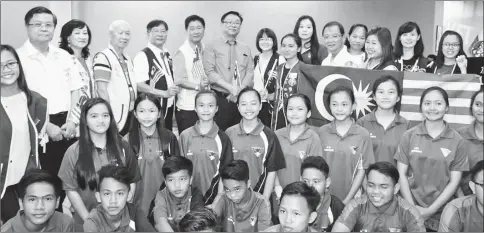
(280, 16)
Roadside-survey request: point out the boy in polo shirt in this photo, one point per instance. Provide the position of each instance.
(466, 213)
(177, 196)
(315, 173)
(115, 214)
(39, 195)
(200, 220)
(240, 208)
(298, 208)
(381, 210)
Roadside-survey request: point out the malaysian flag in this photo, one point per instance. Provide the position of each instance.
(459, 87)
(157, 74)
(197, 69)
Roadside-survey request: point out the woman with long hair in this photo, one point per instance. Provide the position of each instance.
(99, 144)
(23, 115)
(311, 51)
(409, 47)
(355, 42)
(451, 58)
(379, 49)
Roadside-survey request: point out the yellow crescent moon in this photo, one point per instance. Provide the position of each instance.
(318, 95)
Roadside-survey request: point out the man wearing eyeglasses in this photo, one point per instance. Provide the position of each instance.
(229, 66)
(334, 38)
(153, 67)
(51, 72)
(466, 213)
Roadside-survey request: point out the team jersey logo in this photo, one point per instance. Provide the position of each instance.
(353, 149)
(170, 218)
(253, 220)
(257, 150)
(445, 152)
(234, 150)
(416, 150)
(302, 154)
(230, 219)
(328, 149)
(211, 154)
(189, 153)
(372, 136)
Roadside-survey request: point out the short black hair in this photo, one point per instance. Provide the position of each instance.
(206, 91)
(271, 34)
(38, 10)
(176, 163)
(36, 175)
(156, 23)
(406, 28)
(232, 13)
(334, 23)
(300, 188)
(236, 170)
(192, 18)
(476, 169)
(307, 101)
(200, 219)
(432, 56)
(438, 89)
(339, 89)
(248, 89)
(119, 173)
(385, 168)
(316, 162)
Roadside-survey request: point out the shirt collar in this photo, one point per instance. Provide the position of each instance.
(343, 50)
(447, 133)
(187, 43)
(227, 41)
(388, 209)
(18, 224)
(304, 135)
(351, 131)
(470, 132)
(175, 200)
(157, 50)
(256, 131)
(398, 119)
(146, 136)
(32, 51)
(211, 133)
(112, 48)
(474, 210)
(103, 215)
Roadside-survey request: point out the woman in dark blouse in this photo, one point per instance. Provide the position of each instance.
(409, 47)
(451, 58)
(312, 52)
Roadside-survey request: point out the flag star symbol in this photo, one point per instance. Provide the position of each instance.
(362, 98)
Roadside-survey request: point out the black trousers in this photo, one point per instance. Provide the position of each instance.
(9, 203)
(127, 126)
(169, 118)
(185, 119)
(52, 159)
(228, 114)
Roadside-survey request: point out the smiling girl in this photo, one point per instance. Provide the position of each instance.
(451, 58)
(409, 47)
(355, 42)
(379, 48)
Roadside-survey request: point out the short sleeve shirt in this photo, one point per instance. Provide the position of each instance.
(98, 221)
(461, 215)
(430, 161)
(347, 153)
(385, 141)
(307, 144)
(253, 217)
(260, 149)
(475, 147)
(360, 215)
(59, 222)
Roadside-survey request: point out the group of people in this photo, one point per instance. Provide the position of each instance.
(99, 131)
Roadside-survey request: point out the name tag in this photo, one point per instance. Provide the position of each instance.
(372, 136)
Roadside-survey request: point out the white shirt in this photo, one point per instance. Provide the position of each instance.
(16, 108)
(339, 60)
(141, 68)
(53, 76)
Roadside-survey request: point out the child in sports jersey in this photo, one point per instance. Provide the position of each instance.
(256, 144)
(114, 213)
(297, 209)
(346, 145)
(200, 220)
(177, 195)
(152, 143)
(38, 193)
(315, 173)
(207, 146)
(240, 208)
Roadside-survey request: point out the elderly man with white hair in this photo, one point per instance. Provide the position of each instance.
(114, 76)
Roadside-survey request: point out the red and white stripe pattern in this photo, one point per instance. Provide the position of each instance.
(460, 89)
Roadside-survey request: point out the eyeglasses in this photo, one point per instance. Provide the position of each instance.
(156, 31)
(454, 45)
(228, 24)
(332, 36)
(39, 25)
(10, 65)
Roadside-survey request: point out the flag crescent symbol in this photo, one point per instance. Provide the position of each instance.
(318, 95)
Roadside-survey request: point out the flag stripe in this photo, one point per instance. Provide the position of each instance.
(451, 94)
(448, 86)
(453, 102)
